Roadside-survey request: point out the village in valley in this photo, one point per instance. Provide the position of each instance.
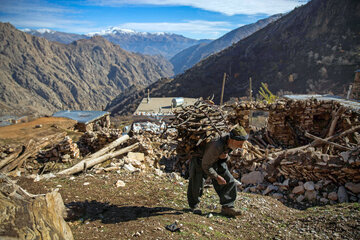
(105, 173)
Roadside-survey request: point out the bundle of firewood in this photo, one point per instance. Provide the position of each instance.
(196, 125)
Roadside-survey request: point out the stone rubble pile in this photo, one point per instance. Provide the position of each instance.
(288, 118)
(64, 151)
(325, 135)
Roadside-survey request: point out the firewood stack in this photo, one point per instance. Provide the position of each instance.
(91, 141)
(288, 118)
(64, 151)
(196, 125)
(311, 165)
(325, 135)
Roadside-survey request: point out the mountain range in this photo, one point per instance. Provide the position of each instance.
(313, 49)
(39, 76)
(192, 55)
(165, 44)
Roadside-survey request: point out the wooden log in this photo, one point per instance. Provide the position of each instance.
(90, 162)
(12, 157)
(334, 120)
(31, 149)
(112, 145)
(326, 142)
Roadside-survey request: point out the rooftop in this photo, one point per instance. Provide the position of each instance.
(160, 106)
(81, 116)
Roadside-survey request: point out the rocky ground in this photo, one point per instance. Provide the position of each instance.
(142, 204)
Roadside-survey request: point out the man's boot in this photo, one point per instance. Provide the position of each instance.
(230, 211)
(196, 210)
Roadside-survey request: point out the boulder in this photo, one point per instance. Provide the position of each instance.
(342, 194)
(269, 189)
(310, 195)
(255, 177)
(27, 216)
(333, 196)
(298, 190)
(353, 187)
(309, 186)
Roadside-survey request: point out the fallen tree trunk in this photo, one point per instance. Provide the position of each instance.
(90, 162)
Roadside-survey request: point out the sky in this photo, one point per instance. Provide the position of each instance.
(197, 19)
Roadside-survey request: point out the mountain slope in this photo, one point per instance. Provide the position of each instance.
(190, 56)
(55, 36)
(318, 44)
(38, 76)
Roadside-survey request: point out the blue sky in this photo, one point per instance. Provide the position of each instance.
(197, 19)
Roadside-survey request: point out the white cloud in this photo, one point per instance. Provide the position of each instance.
(228, 7)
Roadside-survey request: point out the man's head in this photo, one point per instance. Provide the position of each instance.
(238, 136)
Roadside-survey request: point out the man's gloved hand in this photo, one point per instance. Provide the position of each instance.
(220, 180)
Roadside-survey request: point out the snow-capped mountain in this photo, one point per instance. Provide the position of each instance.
(166, 44)
(119, 31)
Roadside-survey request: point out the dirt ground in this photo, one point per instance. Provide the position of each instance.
(42, 127)
(148, 203)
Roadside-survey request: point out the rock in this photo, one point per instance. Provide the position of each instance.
(253, 189)
(286, 183)
(300, 198)
(342, 194)
(136, 156)
(158, 172)
(345, 156)
(38, 126)
(309, 186)
(310, 195)
(120, 183)
(298, 190)
(269, 189)
(292, 196)
(174, 176)
(333, 196)
(353, 199)
(318, 186)
(255, 177)
(38, 217)
(324, 200)
(277, 195)
(130, 168)
(261, 187)
(353, 187)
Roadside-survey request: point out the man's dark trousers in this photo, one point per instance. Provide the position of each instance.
(227, 192)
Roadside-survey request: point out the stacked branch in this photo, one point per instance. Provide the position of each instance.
(20, 156)
(196, 125)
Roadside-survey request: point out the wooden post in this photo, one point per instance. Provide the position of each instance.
(356, 86)
(250, 90)
(250, 95)
(222, 89)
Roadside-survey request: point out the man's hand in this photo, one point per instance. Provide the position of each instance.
(220, 180)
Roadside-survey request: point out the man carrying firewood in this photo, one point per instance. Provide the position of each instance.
(211, 161)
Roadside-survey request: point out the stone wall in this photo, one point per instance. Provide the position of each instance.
(289, 119)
